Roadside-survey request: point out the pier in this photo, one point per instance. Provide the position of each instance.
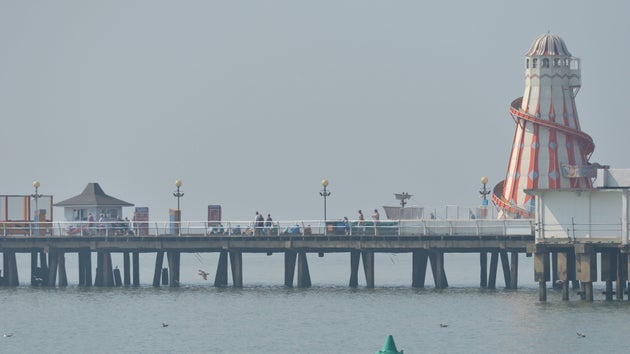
(426, 240)
(566, 263)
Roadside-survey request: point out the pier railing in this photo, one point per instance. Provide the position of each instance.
(428, 227)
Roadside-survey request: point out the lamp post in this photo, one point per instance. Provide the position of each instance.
(484, 196)
(178, 194)
(36, 196)
(177, 214)
(325, 193)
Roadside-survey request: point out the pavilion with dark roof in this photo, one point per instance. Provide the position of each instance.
(92, 201)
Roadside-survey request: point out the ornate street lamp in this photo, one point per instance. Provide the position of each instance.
(325, 193)
(178, 194)
(36, 196)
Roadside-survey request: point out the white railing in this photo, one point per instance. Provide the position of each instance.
(430, 227)
(580, 231)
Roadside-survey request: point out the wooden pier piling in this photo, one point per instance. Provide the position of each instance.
(221, 277)
(61, 269)
(420, 260)
(236, 264)
(126, 269)
(494, 265)
(483, 274)
(514, 271)
(290, 258)
(136, 268)
(368, 267)
(157, 273)
(355, 259)
(303, 276)
(173, 268)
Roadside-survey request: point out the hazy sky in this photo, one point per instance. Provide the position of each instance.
(252, 103)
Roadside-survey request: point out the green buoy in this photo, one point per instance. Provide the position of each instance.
(389, 347)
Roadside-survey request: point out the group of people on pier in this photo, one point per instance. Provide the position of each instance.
(262, 226)
(103, 227)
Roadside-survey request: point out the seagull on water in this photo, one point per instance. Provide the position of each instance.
(443, 325)
(203, 274)
(6, 335)
(581, 335)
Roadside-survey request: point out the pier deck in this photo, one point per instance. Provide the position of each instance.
(561, 261)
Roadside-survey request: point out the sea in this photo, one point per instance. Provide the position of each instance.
(264, 316)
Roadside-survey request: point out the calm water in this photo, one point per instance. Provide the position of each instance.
(327, 318)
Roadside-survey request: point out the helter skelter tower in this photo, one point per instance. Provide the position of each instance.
(549, 149)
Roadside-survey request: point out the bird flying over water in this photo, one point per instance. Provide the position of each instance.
(203, 274)
(581, 335)
(443, 325)
(6, 335)
(164, 324)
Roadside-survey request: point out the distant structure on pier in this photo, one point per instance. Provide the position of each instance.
(549, 150)
(401, 212)
(92, 200)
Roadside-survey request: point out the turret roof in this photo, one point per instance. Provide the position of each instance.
(548, 44)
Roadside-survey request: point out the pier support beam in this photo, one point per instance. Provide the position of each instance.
(126, 269)
(290, 258)
(39, 272)
(419, 268)
(61, 269)
(575, 284)
(505, 265)
(34, 269)
(494, 265)
(221, 277)
(303, 277)
(236, 263)
(483, 274)
(368, 268)
(355, 258)
(52, 267)
(622, 275)
(437, 267)
(514, 271)
(173, 268)
(555, 283)
(104, 271)
(562, 273)
(541, 272)
(135, 259)
(586, 269)
(157, 274)
(609, 271)
(10, 269)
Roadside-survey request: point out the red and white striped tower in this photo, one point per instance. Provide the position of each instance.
(549, 149)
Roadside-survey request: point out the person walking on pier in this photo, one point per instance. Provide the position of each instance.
(90, 220)
(361, 222)
(346, 226)
(268, 224)
(259, 224)
(375, 218)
